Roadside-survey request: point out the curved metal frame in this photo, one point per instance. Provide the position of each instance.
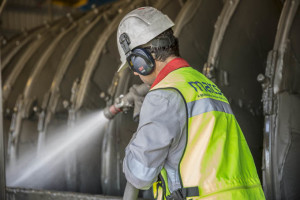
(48, 109)
(62, 68)
(288, 14)
(271, 85)
(64, 64)
(41, 36)
(220, 29)
(19, 46)
(24, 101)
(20, 65)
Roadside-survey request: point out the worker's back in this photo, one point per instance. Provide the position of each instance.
(216, 162)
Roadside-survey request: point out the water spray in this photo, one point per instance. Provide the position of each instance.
(36, 170)
(133, 99)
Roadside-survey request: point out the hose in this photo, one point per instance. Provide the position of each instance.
(130, 193)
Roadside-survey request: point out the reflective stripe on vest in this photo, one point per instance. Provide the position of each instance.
(207, 105)
(216, 159)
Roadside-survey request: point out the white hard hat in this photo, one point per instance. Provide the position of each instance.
(141, 26)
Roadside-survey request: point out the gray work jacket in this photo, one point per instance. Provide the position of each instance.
(159, 141)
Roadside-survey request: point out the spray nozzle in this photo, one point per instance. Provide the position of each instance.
(133, 99)
(121, 105)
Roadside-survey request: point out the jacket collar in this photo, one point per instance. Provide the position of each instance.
(174, 64)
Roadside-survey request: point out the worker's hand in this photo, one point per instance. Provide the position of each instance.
(136, 95)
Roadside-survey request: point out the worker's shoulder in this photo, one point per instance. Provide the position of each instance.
(163, 96)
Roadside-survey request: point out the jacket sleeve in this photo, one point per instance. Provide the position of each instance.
(147, 151)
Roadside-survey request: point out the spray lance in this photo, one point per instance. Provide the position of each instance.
(133, 99)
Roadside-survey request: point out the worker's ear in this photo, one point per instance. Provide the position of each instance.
(141, 61)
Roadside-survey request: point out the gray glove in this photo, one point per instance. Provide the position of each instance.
(136, 97)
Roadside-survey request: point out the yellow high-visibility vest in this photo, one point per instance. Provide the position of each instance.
(216, 163)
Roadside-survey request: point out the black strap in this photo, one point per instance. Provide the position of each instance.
(190, 192)
(163, 185)
(175, 195)
(181, 194)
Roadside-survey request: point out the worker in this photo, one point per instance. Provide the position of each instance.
(188, 144)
